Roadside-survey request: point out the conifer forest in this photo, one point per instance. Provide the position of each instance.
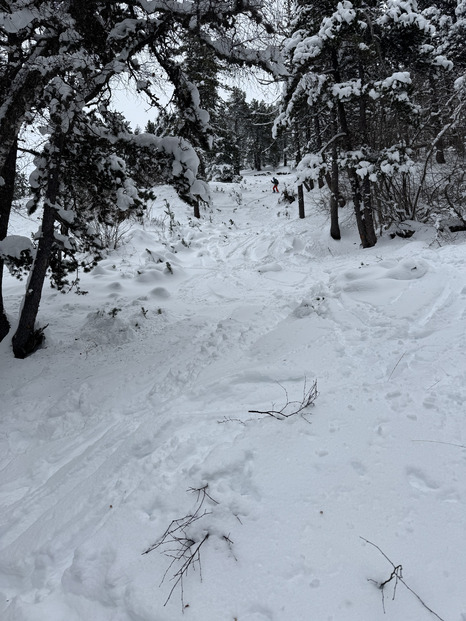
(371, 106)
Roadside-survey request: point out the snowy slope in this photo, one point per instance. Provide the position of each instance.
(142, 396)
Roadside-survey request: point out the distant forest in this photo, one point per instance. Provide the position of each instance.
(372, 111)
(242, 134)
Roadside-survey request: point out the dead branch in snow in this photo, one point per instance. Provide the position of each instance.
(440, 442)
(292, 408)
(397, 576)
(184, 547)
(394, 368)
(231, 420)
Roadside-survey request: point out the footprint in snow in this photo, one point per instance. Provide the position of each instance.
(419, 481)
(270, 267)
(359, 467)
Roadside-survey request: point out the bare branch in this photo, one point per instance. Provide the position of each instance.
(180, 544)
(292, 408)
(440, 442)
(396, 575)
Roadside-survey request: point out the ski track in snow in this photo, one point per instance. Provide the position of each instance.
(144, 390)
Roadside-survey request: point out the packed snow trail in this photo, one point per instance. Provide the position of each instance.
(143, 393)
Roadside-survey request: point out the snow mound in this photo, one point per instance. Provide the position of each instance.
(105, 327)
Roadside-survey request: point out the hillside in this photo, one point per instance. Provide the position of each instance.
(137, 413)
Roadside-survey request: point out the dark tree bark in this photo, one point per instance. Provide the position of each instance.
(4, 323)
(334, 197)
(362, 204)
(20, 84)
(27, 338)
(301, 201)
(318, 137)
(285, 148)
(334, 183)
(8, 173)
(364, 217)
(257, 159)
(440, 145)
(297, 142)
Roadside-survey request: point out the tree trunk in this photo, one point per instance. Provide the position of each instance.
(334, 202)
(27, 338)
(436, 114)
(297, 147)
(334, 183)
(4, 323)
(6, 200)
(285, 148)
(318, 137)
(301, 201)
(364, 217)
(257, 159)
(367, 214)
(362, 210)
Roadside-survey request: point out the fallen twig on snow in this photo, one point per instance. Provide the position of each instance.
(185, 550)
(397, 575)
(440, 442)
(231, 420)
(292, 408)
(394, 368)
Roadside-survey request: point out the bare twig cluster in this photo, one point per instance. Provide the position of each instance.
(292, 408)
(230, 420)
(182, 546)
(396, 576)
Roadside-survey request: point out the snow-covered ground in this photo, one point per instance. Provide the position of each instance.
(136, 414)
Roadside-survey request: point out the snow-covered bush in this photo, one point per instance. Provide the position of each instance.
(224, 173)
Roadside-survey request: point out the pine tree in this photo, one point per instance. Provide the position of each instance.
(235, 130)
(62, 62)
(356, 65)
(261, 118)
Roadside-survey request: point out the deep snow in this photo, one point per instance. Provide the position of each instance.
(142, 395)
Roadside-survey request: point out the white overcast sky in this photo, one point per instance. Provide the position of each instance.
(138, 110)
